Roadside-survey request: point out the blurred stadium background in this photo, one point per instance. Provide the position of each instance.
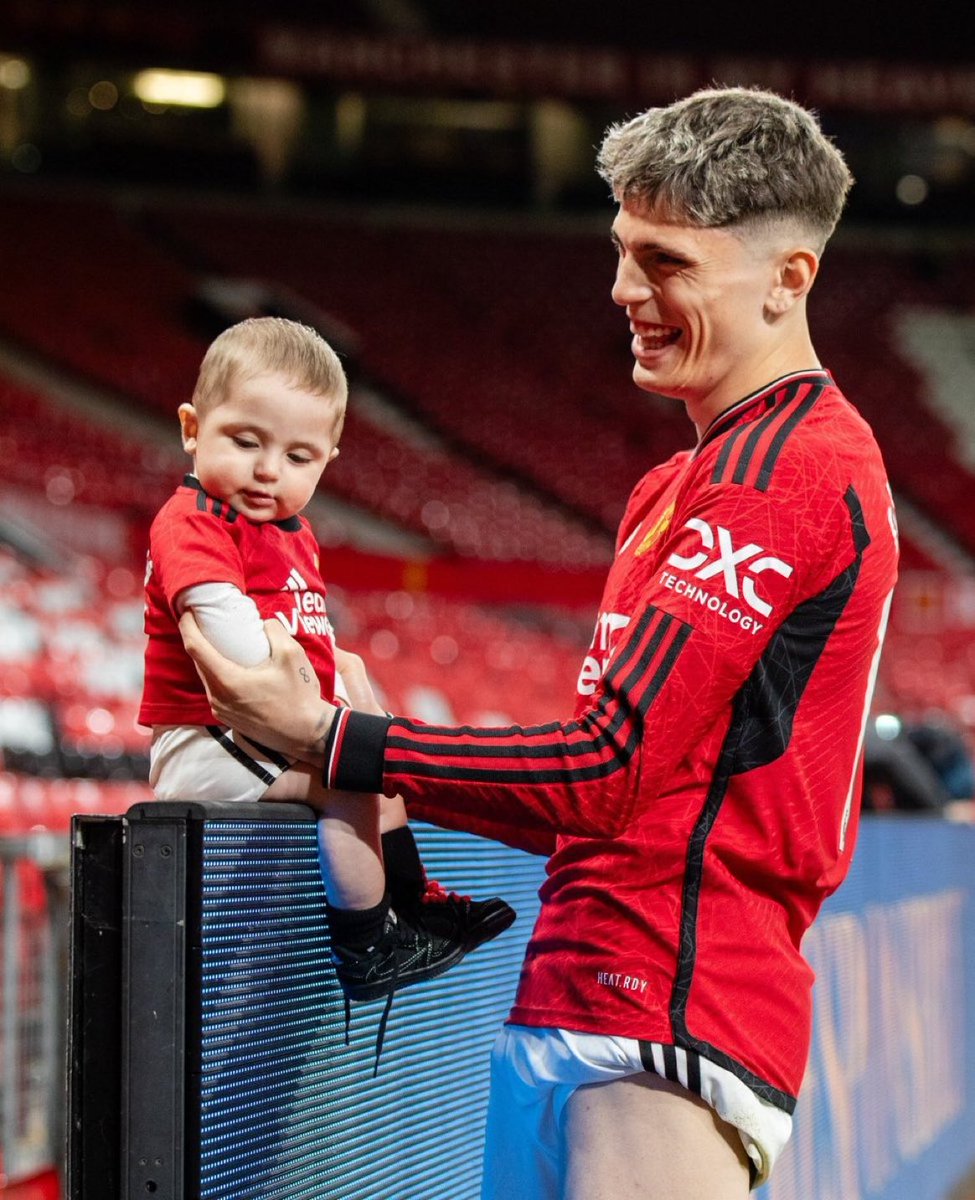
(414, 177)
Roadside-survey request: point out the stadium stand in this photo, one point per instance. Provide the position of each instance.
(72, 664)
(505, 344)
(435, 453)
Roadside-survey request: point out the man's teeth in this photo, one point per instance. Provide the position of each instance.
(656, 339)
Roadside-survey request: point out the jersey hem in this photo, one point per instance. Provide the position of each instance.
(158, 715)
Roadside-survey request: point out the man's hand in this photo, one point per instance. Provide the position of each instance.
(277, 703)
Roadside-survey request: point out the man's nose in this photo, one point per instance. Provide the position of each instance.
(630, 286)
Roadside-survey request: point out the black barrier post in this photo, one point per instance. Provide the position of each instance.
(93, 1152)
(156, 912)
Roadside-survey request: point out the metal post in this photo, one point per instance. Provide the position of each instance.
(9, 993)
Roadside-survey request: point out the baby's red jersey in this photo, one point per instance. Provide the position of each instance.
(704, 800)
(197, 539)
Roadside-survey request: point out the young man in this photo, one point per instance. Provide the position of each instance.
(703, 801)
(231, 547)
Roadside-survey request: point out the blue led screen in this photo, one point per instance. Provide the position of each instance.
(286, 1108)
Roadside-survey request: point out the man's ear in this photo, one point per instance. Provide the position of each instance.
(189, 425)
(794, 276)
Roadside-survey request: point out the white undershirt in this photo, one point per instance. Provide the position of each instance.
(229, 620)
(232, 624)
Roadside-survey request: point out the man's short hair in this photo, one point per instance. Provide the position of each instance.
(266, 345)
(727, 156)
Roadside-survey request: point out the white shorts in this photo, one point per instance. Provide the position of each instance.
(210, 762)
(535, 1071)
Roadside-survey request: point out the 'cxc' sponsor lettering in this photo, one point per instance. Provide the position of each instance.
(708, 600)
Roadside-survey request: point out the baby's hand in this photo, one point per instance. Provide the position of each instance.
(356, 681)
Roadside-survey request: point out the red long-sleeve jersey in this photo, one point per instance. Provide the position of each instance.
(703, 802)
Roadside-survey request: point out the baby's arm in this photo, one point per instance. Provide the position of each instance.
(232, 624)
(229, 620)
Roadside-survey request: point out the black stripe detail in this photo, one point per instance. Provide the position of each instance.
(759, 431)
(659, 678)
(760, 730)
(621, 662)
(204, 501)
(693, 1071)
(220, 735)
(724, 420)
(275, 756)
(610, 693)
(223, 510)
(360, 764)
(473, 732)
(630, 715)
(766, 706)
(788, 426)
(728, 418)
(861, 535)
(669, 1054)
(722, 464)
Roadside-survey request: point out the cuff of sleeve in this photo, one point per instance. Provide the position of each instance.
(354, 752)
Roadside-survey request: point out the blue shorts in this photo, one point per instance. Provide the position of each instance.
(534, 1071)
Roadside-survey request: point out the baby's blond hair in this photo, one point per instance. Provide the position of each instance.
(275, 345)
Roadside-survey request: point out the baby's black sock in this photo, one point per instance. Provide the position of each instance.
(405, 878)
(357, 929)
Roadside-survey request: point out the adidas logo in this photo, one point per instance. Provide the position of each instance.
(308, 612)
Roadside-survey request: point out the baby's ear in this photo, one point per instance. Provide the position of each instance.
(334, 454)
(189, 425)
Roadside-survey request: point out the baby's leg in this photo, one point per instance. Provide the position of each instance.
(348, 836)
(378, 949)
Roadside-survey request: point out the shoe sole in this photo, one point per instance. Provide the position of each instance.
(379, 991)
(490, 926)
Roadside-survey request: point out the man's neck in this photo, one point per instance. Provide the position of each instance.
(756, 376)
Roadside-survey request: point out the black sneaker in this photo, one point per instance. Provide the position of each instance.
(408, 952)
(460, 918)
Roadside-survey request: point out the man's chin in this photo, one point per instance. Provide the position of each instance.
(649, 380)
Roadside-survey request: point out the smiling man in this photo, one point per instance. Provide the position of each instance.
(702, 801)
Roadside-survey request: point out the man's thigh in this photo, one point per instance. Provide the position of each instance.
(648, 1139)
